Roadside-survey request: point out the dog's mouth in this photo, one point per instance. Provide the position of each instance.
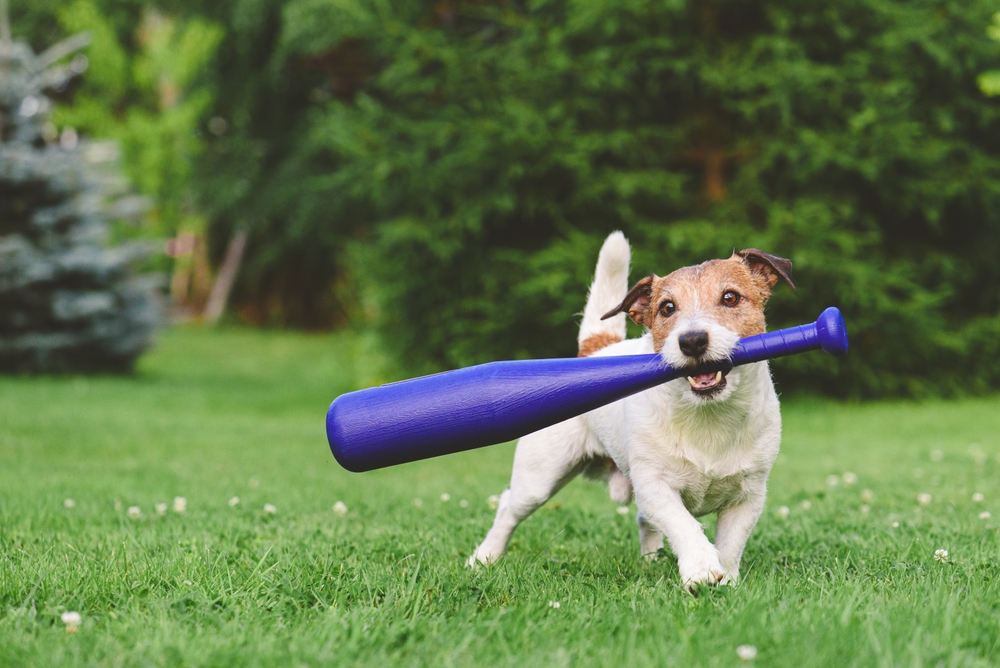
(707, 384)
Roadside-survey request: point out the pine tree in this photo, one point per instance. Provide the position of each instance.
(68, 302)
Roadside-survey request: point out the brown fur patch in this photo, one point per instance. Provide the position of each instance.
(701, 288)
(751, 274)
(595, 342)
(636, 301)
(771, 266)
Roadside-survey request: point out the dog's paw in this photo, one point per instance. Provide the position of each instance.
(705, 570)
(708, 576)
(730, 578)
(481, 556)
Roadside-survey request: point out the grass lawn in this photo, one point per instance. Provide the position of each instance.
(842, 579)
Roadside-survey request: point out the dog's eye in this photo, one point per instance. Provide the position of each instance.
(667, 308)
(731, 298)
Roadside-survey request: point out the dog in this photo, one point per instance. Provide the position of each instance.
(690, 447)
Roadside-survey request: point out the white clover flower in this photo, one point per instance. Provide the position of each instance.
(418, 502)
(783, 512)
(445, 496)
(622, 510)
(69, 503)
(340, 508)
(493, 500)
(554, 604)
(464, 503)
(270, 509)
(833, 480)
(985, 515)
(233, 502)
(746, 652)
(134, 512)
(865, 509)
(118, 505)
(180, 504)
(941, 555)
(806, 505)
(867, 496)
(936, 455)
(978, 497)
(923, 498)
(895, 525)
(850, 478)
(161, 509)
(72, 620)
(977, 454)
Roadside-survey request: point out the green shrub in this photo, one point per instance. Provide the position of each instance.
(486, 152)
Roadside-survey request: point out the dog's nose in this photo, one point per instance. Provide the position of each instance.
(693, 344)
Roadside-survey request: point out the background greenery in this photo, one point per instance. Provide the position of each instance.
(215, 414)
(441, 174)
(445, 171)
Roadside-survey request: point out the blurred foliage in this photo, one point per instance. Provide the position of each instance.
(142, 89)
(989, 82)
(446, 170)
(481, 154)
(260, 173)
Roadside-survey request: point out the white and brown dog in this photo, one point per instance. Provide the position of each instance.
(693, 446)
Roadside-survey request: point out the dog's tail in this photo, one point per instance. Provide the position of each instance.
(606, 292)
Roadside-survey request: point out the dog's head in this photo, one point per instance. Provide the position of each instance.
(697, 314)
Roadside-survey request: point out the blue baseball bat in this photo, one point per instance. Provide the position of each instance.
(500, 401)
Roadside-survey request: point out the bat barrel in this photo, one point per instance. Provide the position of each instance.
(477, 406)
(497, 402)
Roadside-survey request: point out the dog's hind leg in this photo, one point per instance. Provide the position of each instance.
(543, 463)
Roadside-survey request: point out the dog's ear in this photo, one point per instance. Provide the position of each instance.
(636, 302)
(771, 267)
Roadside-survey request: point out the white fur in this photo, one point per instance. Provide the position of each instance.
(685, 456)
(609, 287)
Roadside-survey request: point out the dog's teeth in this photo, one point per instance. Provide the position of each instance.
(718, 377)
(691, 380)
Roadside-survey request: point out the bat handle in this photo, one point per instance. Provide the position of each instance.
(828, 333)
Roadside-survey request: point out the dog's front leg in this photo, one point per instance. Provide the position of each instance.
(662, 507)
(734, 528)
